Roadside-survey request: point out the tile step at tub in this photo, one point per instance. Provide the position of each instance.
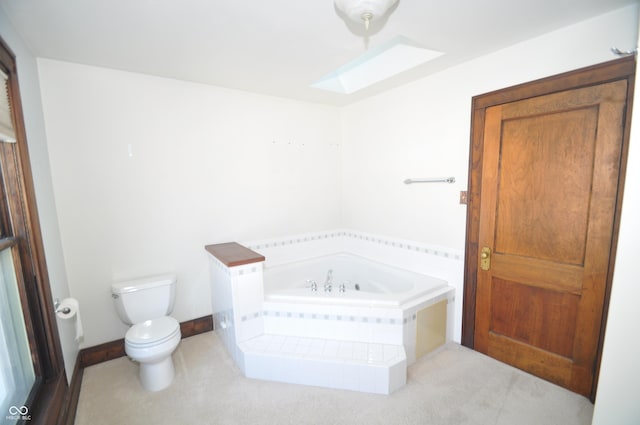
(350, 365)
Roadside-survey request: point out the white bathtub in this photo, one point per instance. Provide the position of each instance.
(365, 282)
(276, 328)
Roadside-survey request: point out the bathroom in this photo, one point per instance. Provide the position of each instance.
(179, 165)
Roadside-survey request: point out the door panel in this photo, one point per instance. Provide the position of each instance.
(541, 199)
(550, 169)
(535, 316)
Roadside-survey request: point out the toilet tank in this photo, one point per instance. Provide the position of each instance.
(145, 298)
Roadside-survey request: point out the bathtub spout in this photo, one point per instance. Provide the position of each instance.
(327, 282)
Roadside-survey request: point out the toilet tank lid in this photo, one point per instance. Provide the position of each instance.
(143, 283)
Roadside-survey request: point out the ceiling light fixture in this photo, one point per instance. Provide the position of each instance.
(364, 10)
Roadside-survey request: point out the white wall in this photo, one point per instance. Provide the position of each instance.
(37, 143)
(209, 165)
(617, 398)
(422, 130)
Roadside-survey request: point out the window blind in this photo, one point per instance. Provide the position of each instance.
(7, 133)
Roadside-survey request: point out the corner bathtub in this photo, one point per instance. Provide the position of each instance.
(277, 328)
(392, 305)
(366, 283)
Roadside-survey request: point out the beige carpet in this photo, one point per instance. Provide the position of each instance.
(454, 385)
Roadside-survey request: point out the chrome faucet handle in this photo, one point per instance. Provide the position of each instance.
(312, 284)
(343, 287)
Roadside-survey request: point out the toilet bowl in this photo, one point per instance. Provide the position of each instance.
(151, 344)
(152, 338)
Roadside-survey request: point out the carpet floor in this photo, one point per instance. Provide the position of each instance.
(451, 386)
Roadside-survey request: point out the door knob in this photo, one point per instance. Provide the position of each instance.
(485, 258)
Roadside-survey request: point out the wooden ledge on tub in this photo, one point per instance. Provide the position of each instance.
(233, 254)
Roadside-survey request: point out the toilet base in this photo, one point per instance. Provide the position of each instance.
(157, 376)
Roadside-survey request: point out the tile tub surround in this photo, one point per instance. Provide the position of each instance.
(237, 292)
(397, 326)
(440, 262)
(248, 325)
(308, 245)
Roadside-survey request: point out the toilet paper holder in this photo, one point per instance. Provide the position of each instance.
(56, 306)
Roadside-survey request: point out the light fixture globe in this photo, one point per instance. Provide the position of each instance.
(364, 10)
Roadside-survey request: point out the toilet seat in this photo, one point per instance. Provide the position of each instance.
(152, 332)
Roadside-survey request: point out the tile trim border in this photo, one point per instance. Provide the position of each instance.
(413, 246)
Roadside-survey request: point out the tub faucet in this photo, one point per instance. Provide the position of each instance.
(327, 282)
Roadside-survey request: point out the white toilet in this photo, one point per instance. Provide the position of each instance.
(146, 304)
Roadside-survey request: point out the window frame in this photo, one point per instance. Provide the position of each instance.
(21, 221)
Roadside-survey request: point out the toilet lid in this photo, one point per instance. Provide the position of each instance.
(152, 331)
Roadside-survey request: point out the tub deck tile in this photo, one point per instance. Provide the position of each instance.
(367, 367)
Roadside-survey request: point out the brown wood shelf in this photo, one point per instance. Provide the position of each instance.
(233, 254)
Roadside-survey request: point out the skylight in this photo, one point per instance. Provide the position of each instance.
(380, 63)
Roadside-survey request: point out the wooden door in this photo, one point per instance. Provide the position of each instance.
(546, 225)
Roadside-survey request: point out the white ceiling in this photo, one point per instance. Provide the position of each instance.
(277, 47)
